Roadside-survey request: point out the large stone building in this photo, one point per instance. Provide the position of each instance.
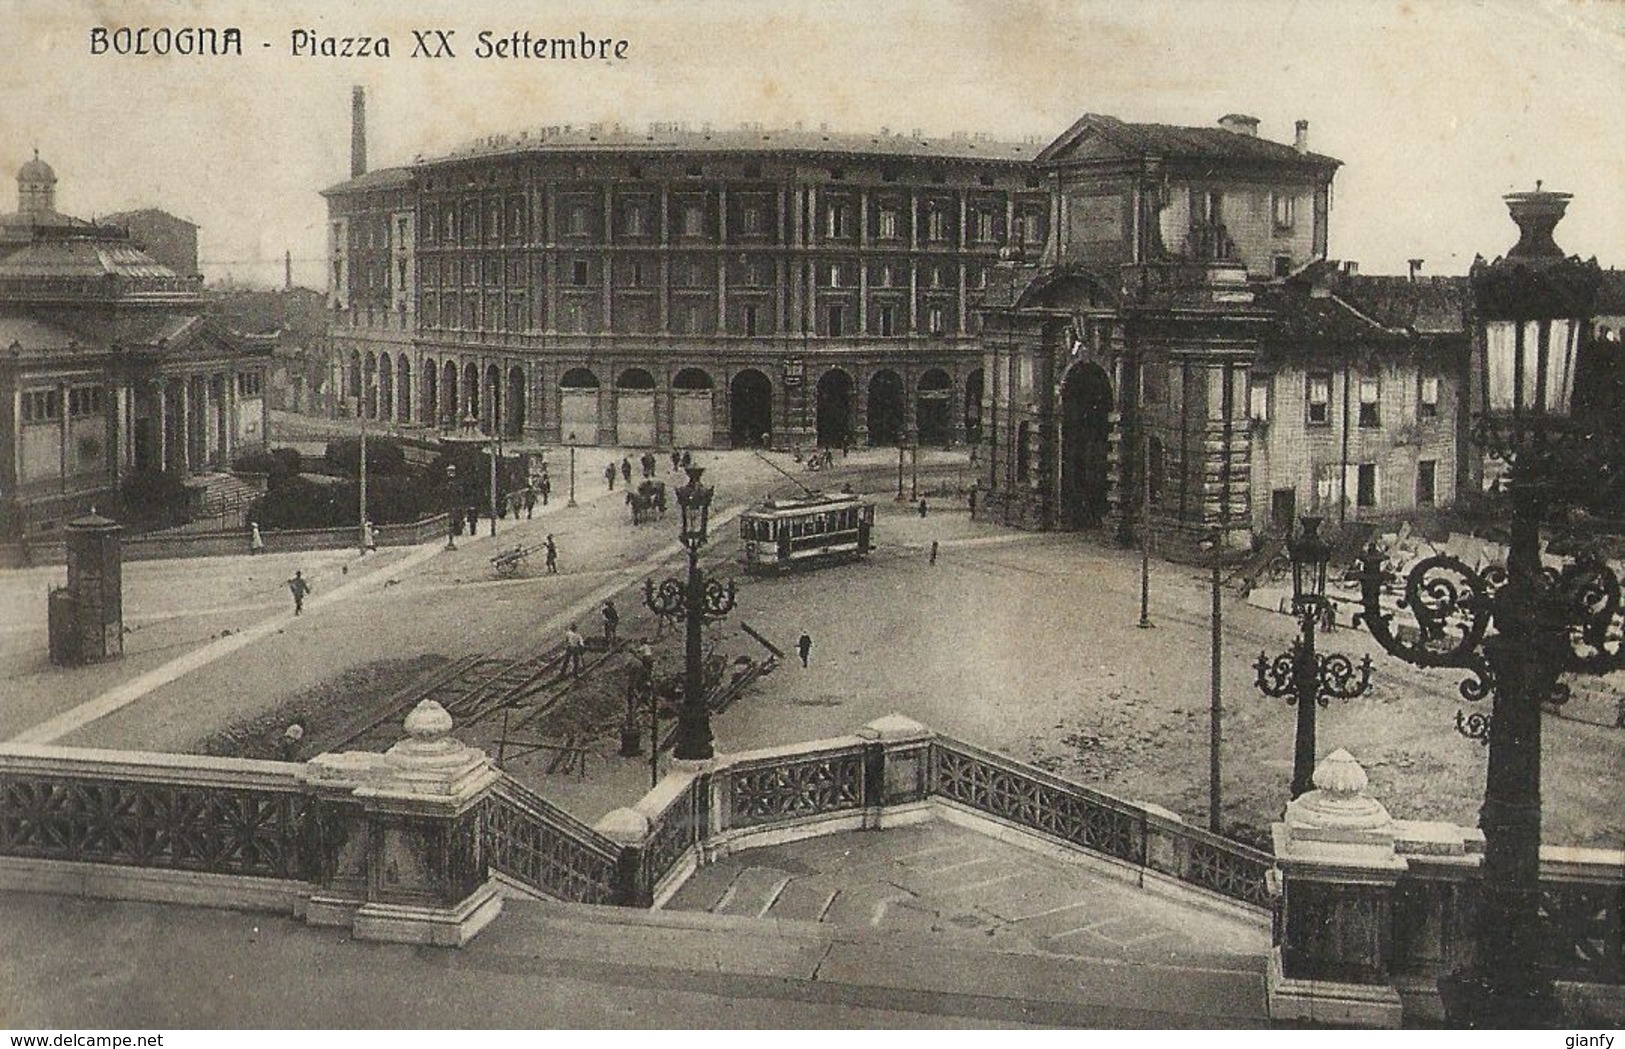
(107, 367)
(1184, 352)
(169, 239)
(676, 286)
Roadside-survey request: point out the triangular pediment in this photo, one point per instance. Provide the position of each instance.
(1093, 137)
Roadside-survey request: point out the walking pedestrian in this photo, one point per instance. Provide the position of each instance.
(288, 746)
(687, 460)
(546, 486)
(626, 469)
(369, 532)
(530, 503)
(804, 646)
(473, 516)
(609, 476)
(299, 586)
(574, 643)
(933, 551)
(676, 460)
(256, 542)
(922, 507)
(552, 557)
(612, 620)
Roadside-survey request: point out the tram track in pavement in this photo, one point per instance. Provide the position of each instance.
(475, 687)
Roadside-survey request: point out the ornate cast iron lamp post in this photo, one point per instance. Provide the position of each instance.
(697, 601)
(1300, 674)
(1514, 633)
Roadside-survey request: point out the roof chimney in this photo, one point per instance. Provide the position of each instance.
(1240, 124)
(1351, 269)
(1416, 269)
(358, 131)
(1300, 141)
(287, 271)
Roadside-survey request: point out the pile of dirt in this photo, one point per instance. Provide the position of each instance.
(319, 709)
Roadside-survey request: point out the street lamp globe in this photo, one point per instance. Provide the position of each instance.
(1533, 305)
(694, 501)
(1309, 553)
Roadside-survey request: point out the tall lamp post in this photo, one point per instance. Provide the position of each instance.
(452, 508)
(1300, 674)
(696, 601)
(1514, 634)
(572, 501)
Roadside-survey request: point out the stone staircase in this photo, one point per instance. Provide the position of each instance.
(962, 887)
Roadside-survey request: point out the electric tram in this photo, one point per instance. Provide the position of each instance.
(807, 529)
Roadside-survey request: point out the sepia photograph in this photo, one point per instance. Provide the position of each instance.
(725, 515)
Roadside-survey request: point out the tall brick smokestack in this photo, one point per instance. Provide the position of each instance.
(358, 131)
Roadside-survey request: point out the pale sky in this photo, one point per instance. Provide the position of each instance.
(1436, 107)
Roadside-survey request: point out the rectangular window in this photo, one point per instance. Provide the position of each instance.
(936, 225)
(1258, 401)
(249, 384)
(1427, 406)
(934, 320)
(41, 405)
(634, 220)
(1369, 403)
(888, 223)
(693, 220)
(579, 273)
(400, 274)
(936, 276)
(578, 220)
(984, 226)
(1365, 488)
(1426, 474)
(84, 400)
(1282, 265)
(751, 219)
(1320, 400)
(750, 320)
(1285, 207)
(837, 322)
(887, 320)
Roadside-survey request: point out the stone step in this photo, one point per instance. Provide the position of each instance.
(753, 892)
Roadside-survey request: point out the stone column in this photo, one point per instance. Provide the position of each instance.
(163, 423)
(402, 857)
(1332, 961)
(185, 411)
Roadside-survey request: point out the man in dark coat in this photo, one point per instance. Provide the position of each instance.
(804, 647)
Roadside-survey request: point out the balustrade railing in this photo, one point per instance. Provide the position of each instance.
(1585, 937)
(678, 827)
(772, 790)
(245, 818)
(538, 845)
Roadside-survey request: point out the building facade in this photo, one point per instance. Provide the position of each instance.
(677, 287)
(1185, 355)
(107, 367)
(169, 239)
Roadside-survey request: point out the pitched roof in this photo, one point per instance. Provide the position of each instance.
(122, 217)
(382, 178)
(1430, 305)
(81, 258)
(1171, 140)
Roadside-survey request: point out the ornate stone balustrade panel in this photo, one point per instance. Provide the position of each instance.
(793, 788)
(534, 843)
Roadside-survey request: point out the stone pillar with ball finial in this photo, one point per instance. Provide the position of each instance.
(1335, 877)
(401, 857)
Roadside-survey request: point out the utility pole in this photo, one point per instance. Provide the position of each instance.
(1216, 700)
(491, 451)
(1145, 505)
(361, 406)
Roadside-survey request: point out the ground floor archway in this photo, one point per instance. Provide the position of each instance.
(934, 408)
(635, 409)
(691, 407)
(514, 419)
(750, 409)
(834, 399)
(578, 407)
(973, 406)
(1086, 404)
(886, 415)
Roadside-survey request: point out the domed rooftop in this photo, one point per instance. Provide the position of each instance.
(36, 170)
